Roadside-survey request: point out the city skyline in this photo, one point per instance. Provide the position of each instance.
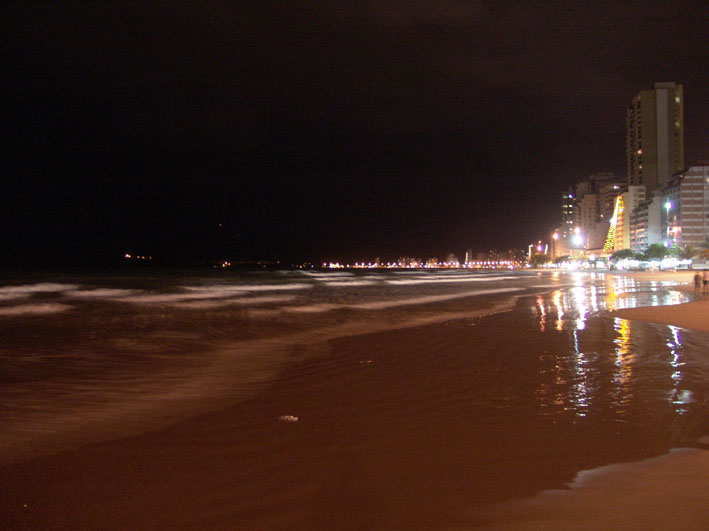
(285, 132)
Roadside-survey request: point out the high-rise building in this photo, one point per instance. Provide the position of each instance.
(685, 203)
(566, 229)
(585, 214)
(654, 144)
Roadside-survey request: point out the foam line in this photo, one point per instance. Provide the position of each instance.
(251, 287)
(42, 287)
(346, 283)
(379, 305)
(101, 293)
(250, 301)
(429, 280)
(33, 309)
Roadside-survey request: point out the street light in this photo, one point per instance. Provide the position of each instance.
(668, 207)
(577, 239)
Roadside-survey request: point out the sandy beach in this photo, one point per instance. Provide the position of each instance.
(693, 315)
(317, 451)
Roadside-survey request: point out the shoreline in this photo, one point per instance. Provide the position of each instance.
(284, 351)
(693, 315)
(663, 492)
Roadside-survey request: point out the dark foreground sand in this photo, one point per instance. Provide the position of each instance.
(348, 463)
(668, 492)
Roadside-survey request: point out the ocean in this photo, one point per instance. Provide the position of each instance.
(489, 385)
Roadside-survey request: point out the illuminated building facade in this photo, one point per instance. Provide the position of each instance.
(593, 208)
(630, 201)
(565, 231)
(646, 224)
(685, 202)
(654, 144)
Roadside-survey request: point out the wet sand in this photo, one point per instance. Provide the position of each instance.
(346, 464)
(693, 315)
(667, 492)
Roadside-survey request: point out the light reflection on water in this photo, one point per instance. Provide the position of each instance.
(624, 358)
(571, 310)
(603, 293)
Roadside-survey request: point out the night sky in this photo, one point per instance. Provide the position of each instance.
(324, 129)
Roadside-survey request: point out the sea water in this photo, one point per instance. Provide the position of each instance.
(86, 357)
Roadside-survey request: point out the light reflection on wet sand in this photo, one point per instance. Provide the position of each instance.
(570, 310)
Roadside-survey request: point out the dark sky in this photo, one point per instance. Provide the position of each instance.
(321, 129)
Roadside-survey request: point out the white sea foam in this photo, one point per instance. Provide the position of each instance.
(247, 301)
(42, 287)
(166, 298)
(439, 280)
(313, 308)
(236, 288)
(33, 309)
(325, 274)
(210, 292)
(380, 305)
(13, 296)
(101, 293)
(348, 283)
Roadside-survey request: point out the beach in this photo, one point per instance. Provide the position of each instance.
(396, 429)
(693, 315)
(667, 492)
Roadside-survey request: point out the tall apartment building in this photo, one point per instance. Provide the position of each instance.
(563, 245)
(591, 215)
(654, 144)
(685, 210)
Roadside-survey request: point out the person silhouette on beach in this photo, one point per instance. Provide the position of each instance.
(697, 282)
(705, 278)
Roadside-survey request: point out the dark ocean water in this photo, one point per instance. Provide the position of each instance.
(90, 357)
